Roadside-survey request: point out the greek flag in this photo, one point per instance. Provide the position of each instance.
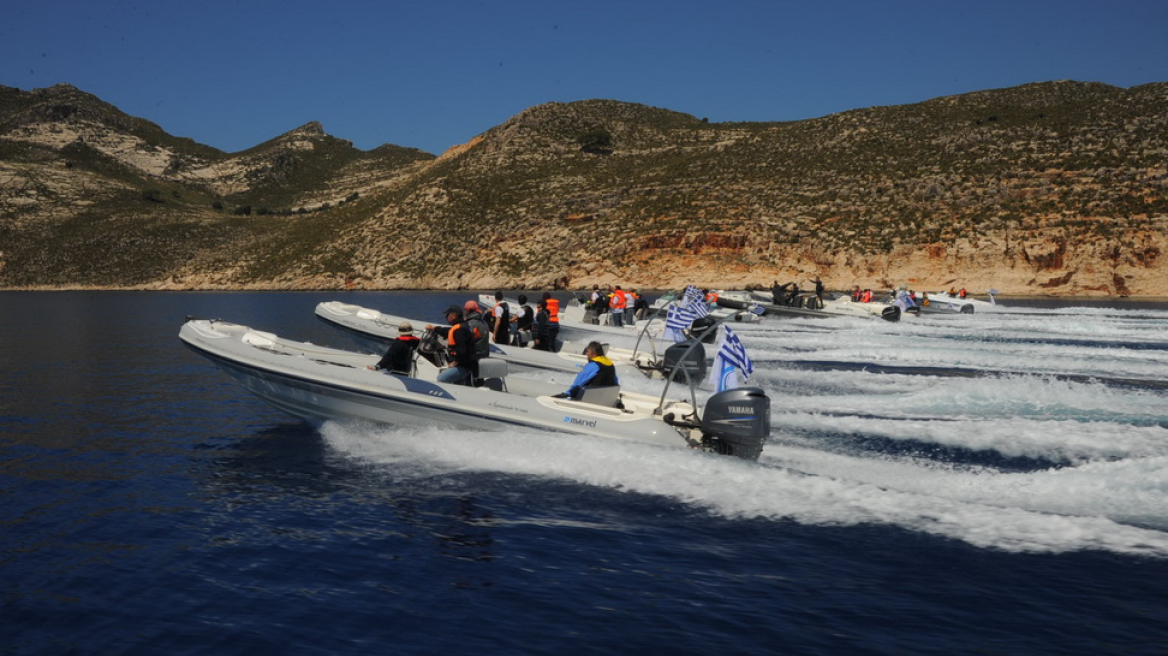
(729, 361)
(696, 302)
(677, 320)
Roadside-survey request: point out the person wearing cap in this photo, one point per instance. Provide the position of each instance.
(399, 358)
(478, 327)
(463, 365)
(599, 372)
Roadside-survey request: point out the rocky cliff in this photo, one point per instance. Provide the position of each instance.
(1052, 188)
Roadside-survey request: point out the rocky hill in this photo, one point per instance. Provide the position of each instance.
(1051, 188)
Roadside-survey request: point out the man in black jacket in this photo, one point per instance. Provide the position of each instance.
(463, 366)
(399, 358)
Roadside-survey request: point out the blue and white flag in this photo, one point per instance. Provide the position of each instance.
(695, 300)
(677, 320)
(729, 361)
(699, 307)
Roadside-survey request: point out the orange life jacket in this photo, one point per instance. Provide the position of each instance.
(553, 309)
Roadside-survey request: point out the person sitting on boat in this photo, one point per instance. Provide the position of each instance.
(478, 326)
(463, 365)
(793, 295)
(399, 358)
(599, 372)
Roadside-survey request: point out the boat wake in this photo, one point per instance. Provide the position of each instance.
(1111, 506)
(1005, 431)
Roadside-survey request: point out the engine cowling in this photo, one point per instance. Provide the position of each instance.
(737, 422)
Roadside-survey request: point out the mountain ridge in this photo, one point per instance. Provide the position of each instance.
(1049, 188)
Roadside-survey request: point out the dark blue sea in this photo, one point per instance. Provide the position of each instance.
(986, 484)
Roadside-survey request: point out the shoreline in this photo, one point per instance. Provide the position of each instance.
(1000, 297)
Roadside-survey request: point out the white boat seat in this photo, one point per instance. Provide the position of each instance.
(365, 313)
(493, 373)
(607, 396)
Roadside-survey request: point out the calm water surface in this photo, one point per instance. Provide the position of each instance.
(955, 485)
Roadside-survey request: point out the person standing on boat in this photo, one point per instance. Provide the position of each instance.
(616, 304)
(553, 329)
(399, 358)
(501, 331)
(541, 329)
(523, 319)
(599, 372)
(630, 308)
(479, 328)
(640, 306)
(463, 365)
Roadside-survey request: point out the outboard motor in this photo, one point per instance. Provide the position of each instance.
(699, 326)
(675, 367)
(890, 313)
(737, 422)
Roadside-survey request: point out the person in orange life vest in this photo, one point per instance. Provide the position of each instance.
(616, 303)
(399, 358)
(553, 327)
(630, 303)
(866, 297)
(599, 372)
(463, 367)
(501, 331)
(963, 292)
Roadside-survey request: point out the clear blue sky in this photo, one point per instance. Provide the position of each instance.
(433, 73)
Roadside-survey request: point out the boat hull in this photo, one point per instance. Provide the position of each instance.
(318, 383)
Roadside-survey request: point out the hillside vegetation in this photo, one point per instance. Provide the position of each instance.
(1056, 188)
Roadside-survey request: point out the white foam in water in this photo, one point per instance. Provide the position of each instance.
(1106, 486)
(966, 506)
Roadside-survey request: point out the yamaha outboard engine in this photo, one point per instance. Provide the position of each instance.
(675, 367)
(737, 422)
(890, 313)
(699, 327)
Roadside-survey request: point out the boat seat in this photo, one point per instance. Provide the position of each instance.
(607, 396)
(493, 374)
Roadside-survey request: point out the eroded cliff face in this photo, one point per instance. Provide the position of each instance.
(1057, 189)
